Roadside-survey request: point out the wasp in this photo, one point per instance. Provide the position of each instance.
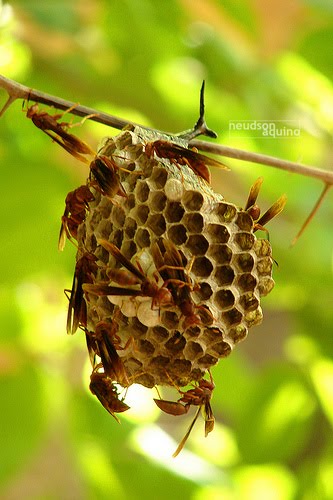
(178, 155)
(103, 388)
(132, 275)
(85, 271)
(103, 170)
(50, 125)
(169, 262)
(254, 210)
(76, 206)
(199, 396)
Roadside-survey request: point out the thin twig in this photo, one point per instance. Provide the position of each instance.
(17, 91)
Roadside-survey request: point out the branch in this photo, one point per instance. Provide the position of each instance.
(17, 91)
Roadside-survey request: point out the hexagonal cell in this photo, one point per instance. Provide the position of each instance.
(169, 319)
(174, 189)
(226, 212)
(248, 301)
(158, 178)
(175, 344)
(142, 238)
(202, 267)
(253, 317)
(181, 367)
(104, 228)
(244, 261)
(193, 350)
(159, 364)
(262, 248)
(232, 317)
(157, 201)
(130, 227)
(156, 223)
(129, 248)
(264, 265)
(222, 254)
(238, 333)
(197, 244)
(244, 240)
(211, 335)
(174, 211)
(244, 221)
(159, 333)
(130, 201)
(207, 361)
(177, 234)
(205, 291)
(218, 233)
(224, 299)
(266, 285)
(194, 222)
(246, 282)
(193, 200)
(141, 213)
(224, 275)
(142, 191)
(221, 349)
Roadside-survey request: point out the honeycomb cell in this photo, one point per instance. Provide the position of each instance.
(211, 335)
(194, 222)
(197, 244)
(130, 227)
(245, 240)
(159, 333)
(226, 212)
(202, 267)
(264, 265)
(192, 350)
(246, 282)
(182, 367)
(244, 221)
(142, 191)
(157, 201)
(158, 178)
(248, 301)
(174, 211)
(175, 344)
(222, 254)
(266, 285)
(224, 275)
(142, 238)
(253, 317)
(262, 248)
(142, 213)
(173, 189)
(224, 299)
(193, 200)
(145, 347)
(177, 234)
(221, 349)
(238, 333)
(207, 360)
(205, 291)
(218, 233)
(232, 316)
(156, 223)
(169, 319)
(244, 262)
(130, 202)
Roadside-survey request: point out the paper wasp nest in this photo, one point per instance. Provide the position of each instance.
(228, 269)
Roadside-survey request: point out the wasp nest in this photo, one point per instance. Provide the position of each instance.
(176, 272)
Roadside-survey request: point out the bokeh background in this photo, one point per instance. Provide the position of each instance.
(145, 60)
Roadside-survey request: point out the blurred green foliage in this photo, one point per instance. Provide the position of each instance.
(274, 397)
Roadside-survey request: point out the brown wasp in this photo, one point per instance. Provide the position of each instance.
(102, 169)
(76, 206)
(178, 155)
(199, 396)
(85, 271)
(253, 209)
(170, 265)
(51, 126)
(103, 388)
(133, 275)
